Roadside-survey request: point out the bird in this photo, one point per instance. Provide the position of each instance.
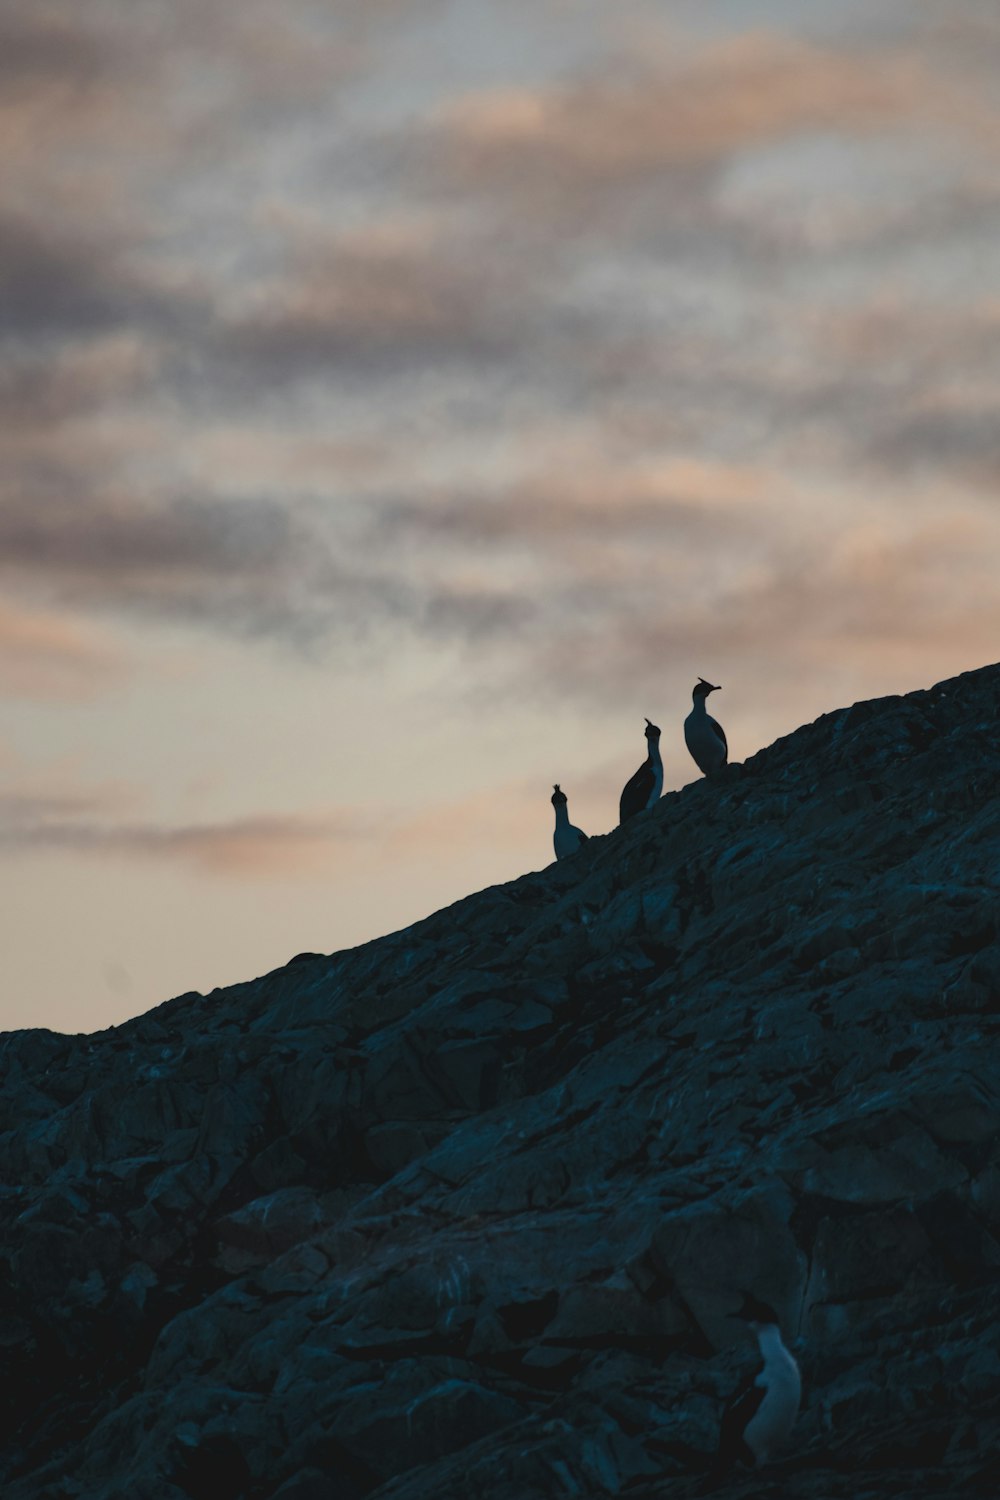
(644, 788)
(705, 739)
(567, 839)
(760, 1415)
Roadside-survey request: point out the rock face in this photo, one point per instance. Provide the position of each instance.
(462, 1212)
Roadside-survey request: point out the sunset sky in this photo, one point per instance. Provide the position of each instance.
(401, 399)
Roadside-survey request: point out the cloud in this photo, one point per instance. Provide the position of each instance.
(584, 496)
(49, 656)
(271, 458)
(248, 567)
(576, 253)
(480, 269)
(252, 52)
(43, 391)
(868, 598)
(49, 281)
(572, 240)
(26, 811)
(257, 846)
(961, 437)
(908, 388)
(570, 142)
(383, 299)
(49, 810)
(146, 541)
(50, 48)
(232, 563)
(127, 131)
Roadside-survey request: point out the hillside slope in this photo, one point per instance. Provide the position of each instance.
(461, 1212)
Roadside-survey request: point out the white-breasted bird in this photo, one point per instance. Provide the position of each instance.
(644, 788)
(705, 739)
(566, 839)
(759, 1417)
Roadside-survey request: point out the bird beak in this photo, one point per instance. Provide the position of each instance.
(716, 688)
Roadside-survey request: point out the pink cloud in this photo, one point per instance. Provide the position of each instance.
(40, 392)
(258, 846)
(45, 655)
(655, 114)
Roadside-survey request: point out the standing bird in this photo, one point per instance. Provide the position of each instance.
(705, 739)
(644, 788)
(566, 839)
(761, 1414)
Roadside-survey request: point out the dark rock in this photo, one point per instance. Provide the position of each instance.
(211, 1467)
(313, 1484)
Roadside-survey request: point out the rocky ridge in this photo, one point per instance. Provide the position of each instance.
(462, 1211)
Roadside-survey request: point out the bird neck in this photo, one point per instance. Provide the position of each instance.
(700, 706)
(771, 1347)
(654, 752)
(562, 814)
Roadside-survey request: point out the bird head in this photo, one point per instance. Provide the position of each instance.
(703, 688)
(558, 797)
(651, 731)
(755, 1313)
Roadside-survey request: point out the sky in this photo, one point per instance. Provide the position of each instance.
(400, 401)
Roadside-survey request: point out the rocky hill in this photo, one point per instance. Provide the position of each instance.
(461, 1213)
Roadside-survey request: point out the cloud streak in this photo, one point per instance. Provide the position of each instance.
(385, 300)
(570, 149)
(41, 392)
(38, 51)
(46, 656)
(254, 847)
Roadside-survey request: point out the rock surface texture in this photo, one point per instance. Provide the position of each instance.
(461, 1213)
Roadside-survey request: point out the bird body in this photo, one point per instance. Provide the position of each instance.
(567, 839)
(760, 1417)
(781, 1384)
(705, 739)
(643, 789)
